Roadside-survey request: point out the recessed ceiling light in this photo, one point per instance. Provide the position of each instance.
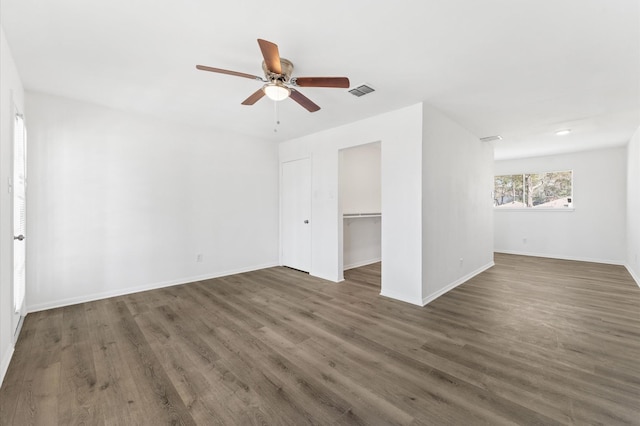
(491, 138)
(563, 132)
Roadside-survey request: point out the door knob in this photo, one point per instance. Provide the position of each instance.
(306, 221)
(19, 237)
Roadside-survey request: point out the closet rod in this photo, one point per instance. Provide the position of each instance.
(351, 215)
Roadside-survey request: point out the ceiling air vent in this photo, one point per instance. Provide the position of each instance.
(361, 90)
(491, 138)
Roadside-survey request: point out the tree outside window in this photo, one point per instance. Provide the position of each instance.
(509, 191)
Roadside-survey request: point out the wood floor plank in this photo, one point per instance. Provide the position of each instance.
(158, 397)
(203, 393)
(116, 389)
(250, 309)
(529, 341)
(13, 387)
(432, 382)
(78, 376)
(365, 404)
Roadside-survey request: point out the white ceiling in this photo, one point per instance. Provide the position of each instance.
(518, 68)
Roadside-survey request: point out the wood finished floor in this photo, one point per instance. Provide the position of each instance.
(530, 341)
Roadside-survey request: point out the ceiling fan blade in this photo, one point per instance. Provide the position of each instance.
(339, 82)
(271, 56)
(304, 101)
(255, 97)
(221, 71)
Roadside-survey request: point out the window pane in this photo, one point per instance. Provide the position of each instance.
(549, 190)
(508, 191)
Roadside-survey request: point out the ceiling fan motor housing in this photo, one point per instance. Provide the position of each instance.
(287, 70)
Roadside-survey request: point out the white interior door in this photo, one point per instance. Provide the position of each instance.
(19, 189)
(296, 214)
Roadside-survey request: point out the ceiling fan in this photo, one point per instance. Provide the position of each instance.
(279, 83)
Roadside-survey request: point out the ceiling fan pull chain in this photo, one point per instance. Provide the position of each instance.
(275, 110)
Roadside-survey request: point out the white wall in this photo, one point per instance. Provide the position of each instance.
(360, 192)
(400, 134)
(11, 91)
(633, 207)
(362, 241)
(120, 202)
(360, 182)
(457, 222)
(594, 231)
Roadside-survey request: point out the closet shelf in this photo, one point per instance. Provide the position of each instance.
(356, 215)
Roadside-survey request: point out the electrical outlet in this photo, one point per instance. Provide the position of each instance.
(461, 261)
(199, 257)
(524, 241)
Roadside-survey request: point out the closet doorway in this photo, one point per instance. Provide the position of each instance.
(360, 203)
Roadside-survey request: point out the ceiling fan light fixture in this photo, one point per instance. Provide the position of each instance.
(276, 92)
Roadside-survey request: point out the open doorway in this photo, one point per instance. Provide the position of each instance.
(360, 201)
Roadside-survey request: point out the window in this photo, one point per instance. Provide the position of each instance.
(549, 190)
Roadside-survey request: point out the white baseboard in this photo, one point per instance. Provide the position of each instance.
(563, 257)
(430, 298)
(6, 359)
(362, 263)
(635, 276)
(121, 292)
(335, 279)
(401, 298)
